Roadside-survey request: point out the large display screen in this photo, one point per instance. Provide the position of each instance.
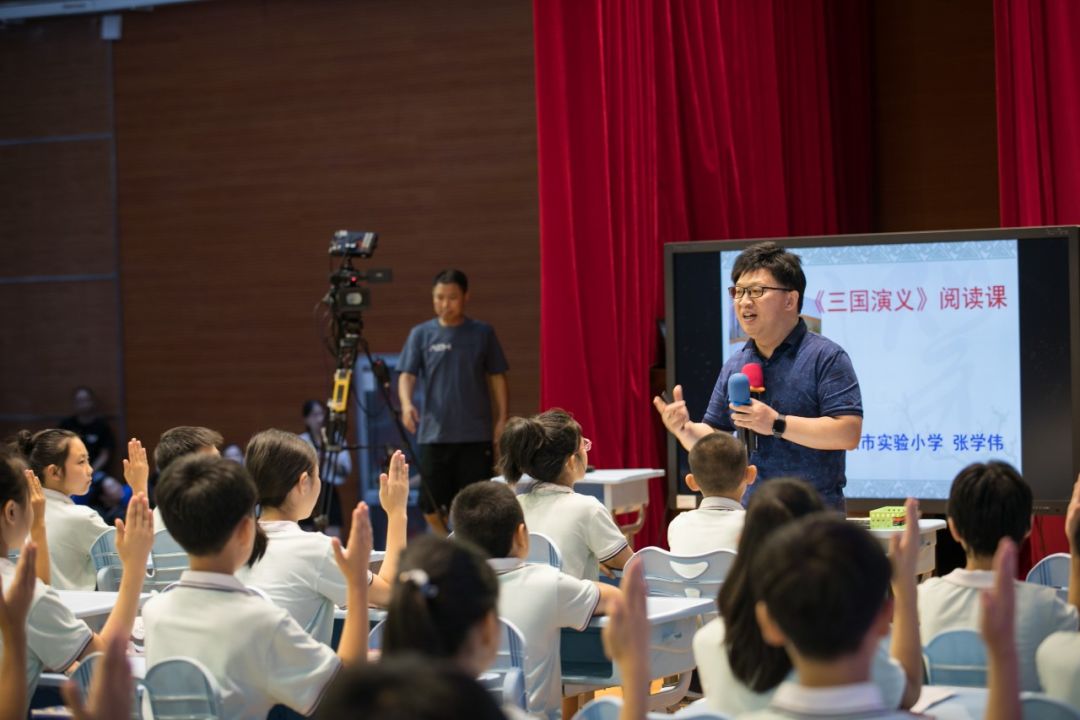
(964, 345)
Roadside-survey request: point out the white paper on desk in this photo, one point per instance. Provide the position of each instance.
(931, 695)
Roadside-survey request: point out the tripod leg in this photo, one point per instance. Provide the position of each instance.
(437, 522)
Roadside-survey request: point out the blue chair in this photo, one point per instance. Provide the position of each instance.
(1036, 706)
(507, 687)
(182, 689)
(84, 674)
(108, 578)
(543, 551)
(169, 560)
(1052, 571)
(956, 657)
(692, 576)
(103, 551)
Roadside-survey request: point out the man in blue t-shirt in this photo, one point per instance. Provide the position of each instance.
(464, 370)
(811, 410)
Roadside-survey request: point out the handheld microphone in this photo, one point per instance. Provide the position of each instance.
(738, 388)
(756, 376)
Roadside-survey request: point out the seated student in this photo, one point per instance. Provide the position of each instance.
(298, 571)
(833, 633)
(718, 469)
(15, 599)
(177, 442)
(55, 637)
(550, 449)
(61, 460)
(739, 672)
(989, 502)
(539, 599)
(1058, 657)
(257, 653)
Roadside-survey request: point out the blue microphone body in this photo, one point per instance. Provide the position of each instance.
(738, 387)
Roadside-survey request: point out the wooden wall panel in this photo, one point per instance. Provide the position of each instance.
(935, 129)
(56, 204)
(248, 131)
(53, 78)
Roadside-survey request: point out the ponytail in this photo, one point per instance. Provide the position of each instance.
(258, 549)
(43, 448)
(445, 588)
(539, 446)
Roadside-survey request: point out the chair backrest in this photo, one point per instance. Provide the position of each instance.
(693, 576)
(85, 671)
(374, 638)
(1036, 706)
(103, 551)
(956, 657)
(507, 687)
(169, 560)
(543, 551)
(1052, 571)
(182, 689)
(511, 648)
(108, 578)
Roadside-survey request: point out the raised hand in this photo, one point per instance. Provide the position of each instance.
(674, 414)
(37, 499)
(394, 487)
(15, 600)
(354, 560)
(135, 536)
(998, 617)
(1072, 517)
(904, 547)
(136, 467)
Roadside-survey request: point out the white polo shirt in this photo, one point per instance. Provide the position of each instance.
(727, 694)
(541, 601)
(1058, 663)
(715, 525)
(254, 649)
(842, 702)
(159, 520)
(952, 603)
(580, 525)
(299, 573)
(55, 638)
(71, 529)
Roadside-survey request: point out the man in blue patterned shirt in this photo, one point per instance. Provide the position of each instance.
(811, 410)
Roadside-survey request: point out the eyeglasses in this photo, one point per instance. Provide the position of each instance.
(586, 444)
(754, 291)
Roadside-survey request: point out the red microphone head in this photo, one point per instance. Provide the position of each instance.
(756, 375)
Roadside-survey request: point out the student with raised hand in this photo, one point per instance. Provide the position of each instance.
(988, 502)
(255, 650)
(1058, 657)
(551, 450)
(719, 470)
(539, 599)
(56, 639)
(740, 672)
(15, 599)
(298, 570)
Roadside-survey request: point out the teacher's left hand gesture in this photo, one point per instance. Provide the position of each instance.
(756, 416)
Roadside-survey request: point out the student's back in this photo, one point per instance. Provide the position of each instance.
(257, 653)
(580, 526)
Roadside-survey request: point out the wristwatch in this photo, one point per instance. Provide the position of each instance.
(779, 425)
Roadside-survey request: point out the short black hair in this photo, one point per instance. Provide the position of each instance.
(824, 581)
(785, 266)
(407, 686)
(451, 276)
(184, 440)
(487, 514)
(13, 485)
(718, 462)
(202, 499)
(987, 502)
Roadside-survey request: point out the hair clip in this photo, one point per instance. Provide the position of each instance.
(420, 579)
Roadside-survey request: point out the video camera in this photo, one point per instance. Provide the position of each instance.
(348, 296)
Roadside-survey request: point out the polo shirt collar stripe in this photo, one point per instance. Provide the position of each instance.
(552, 487)
(501, 566)
(978, 579)
(793, 339)
(211, 581)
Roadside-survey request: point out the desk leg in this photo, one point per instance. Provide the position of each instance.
(631, 529)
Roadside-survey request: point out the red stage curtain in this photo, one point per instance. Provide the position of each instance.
(673, 120)
(1038, 98)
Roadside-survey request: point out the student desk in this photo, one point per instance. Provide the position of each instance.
(621, 492)
(928, 530)
(673, 622)
(93, 606)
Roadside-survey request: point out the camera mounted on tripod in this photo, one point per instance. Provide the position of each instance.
(349, 296)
